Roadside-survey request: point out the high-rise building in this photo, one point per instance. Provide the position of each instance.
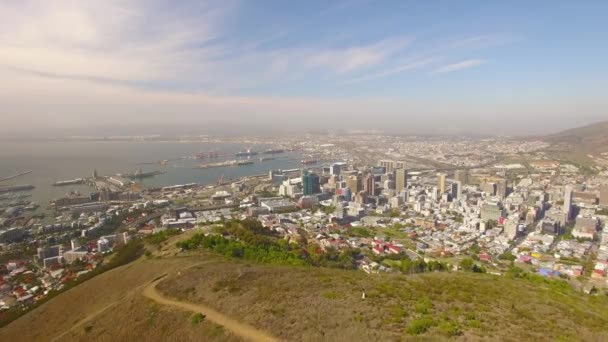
(400, 180)
(370, 185)
(441, 182)
(392, 165)
(604, 195)
(489, 188)
(336, 168)
(456, 190)
(501, 188)
(567, 209)
(310, 183)
(354, 183)
(462, 176)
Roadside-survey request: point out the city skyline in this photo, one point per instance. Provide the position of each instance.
(433, 68)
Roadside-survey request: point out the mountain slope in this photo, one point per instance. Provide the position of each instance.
(592, 138)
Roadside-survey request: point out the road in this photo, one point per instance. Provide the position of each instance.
(240, 329)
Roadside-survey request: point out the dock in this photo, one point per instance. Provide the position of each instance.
(15, 176)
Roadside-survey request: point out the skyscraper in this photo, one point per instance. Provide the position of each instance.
(400, 180)
(370, 185)
(567, 209)
(604, 195)
(310, 183)
(441, 182)
(354, 183)
(391, 165)
(501, 188)
(456, 190)
(462, 176)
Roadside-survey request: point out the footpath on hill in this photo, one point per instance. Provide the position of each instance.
(240, 329)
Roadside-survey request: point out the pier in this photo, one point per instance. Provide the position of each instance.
(15, 176)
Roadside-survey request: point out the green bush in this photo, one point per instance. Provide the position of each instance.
(420, 326)
(197, 318)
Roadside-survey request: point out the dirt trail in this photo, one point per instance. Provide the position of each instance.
(240, 329)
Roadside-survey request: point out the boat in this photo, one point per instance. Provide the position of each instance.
(266, 158)
(273, 151)
(140, 174)
(244, 162)
(69, 182)
(246, 153)
(16, 188)
(309, 161)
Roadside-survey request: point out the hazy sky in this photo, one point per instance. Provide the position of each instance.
(511, 67)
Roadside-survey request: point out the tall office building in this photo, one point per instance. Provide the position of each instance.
(400, 180)
(501, 188)
(462, 176)
(370, 185)
(567, 209)
(354, 183)
(441, 182)
(456, 190)
(336, 168)
(604, 195)
(310, 183)
(392, 165)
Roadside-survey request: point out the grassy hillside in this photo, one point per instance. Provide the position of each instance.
(322, 304)
(311, 304)
(587, 139)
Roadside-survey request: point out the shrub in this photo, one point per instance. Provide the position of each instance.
(420, 326)
(197, 318)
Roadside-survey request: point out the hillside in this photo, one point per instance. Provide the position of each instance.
(587, 139)
(310, 304)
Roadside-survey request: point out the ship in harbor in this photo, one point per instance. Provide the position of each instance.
(266, 158)
(225, 164)
(16, 188)
(243, 162)
(141, 174)
(273, 151)
(247, 153)
(309, 161)
(203, 155)
(69, 182)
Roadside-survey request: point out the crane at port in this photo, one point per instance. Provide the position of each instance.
(220, 179)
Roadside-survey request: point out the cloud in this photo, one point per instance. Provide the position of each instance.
(349, 59)
(470, 63)
(412, 65)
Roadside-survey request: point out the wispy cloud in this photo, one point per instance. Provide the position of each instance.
(349, 59)
(412, 65)
(467, 64)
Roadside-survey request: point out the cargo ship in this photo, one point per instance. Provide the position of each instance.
(203, 155)
(273, 151)
(266, 158)
(16, 188)
(140, 174)
(246, 153)
(309, 161)
(225, 164)
(244, 162)
(69, 182)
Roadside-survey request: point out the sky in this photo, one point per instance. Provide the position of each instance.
(431, 67)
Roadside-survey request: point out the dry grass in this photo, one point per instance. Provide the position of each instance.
(312, 304)
(309, 304)
(139, 319)
(87, 300)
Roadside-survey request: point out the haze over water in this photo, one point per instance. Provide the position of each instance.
(55, 161)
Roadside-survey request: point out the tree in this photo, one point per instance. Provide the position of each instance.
(467, 264)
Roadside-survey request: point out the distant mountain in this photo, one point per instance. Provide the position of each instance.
(592, 138)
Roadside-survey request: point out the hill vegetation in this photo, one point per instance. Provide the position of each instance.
(304, 303)
(587, 139)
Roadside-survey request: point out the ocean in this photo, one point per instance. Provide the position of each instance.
(56, 161)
